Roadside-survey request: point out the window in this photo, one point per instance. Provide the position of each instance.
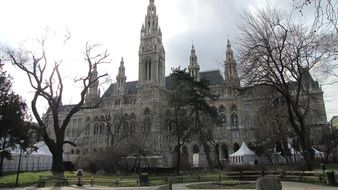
(222, 119)
(234, 120)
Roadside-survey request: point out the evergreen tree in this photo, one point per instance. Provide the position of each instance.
(13, 127)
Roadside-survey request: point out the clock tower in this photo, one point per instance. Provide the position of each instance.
(151, 51)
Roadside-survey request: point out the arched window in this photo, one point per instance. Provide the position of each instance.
(234, 120)
(247, 121)
(195, 149)
(87, 130)
(96, 129)
(147, 120)
(235, 147)
(222, 119)
(148, 69)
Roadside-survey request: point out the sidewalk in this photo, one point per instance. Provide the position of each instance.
(286, 186)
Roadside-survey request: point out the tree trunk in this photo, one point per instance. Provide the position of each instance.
(57, 166)
(3, 154)
(178, 160)
(217, 157)
(307, 152)
(206, 148)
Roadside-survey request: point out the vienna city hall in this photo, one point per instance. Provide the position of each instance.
(138, 109)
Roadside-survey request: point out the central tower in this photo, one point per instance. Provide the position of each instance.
(151, 51)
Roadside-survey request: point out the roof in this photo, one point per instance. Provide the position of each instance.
(214, 77)
(131, 89)
(244, 150)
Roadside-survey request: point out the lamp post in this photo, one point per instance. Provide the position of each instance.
(17, 173)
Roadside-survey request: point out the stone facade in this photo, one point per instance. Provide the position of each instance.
(143, 105)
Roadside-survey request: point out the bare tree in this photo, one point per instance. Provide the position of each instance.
(277, 52)
(49, 86)
(325, 11)
(118, 127)
(270, 127)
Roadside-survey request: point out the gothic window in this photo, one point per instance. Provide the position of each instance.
(235, 147)
(247, 121)
(101, 129)
(171, 126)
(234, 120)
(195, 149)
(96, 129)
(148, 69)
(87, 130)
(147, 124)
(222, 119)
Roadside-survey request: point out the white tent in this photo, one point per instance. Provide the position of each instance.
(318, 154)
(35, 161)
(243, 156)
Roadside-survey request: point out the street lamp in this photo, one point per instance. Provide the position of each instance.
(17, 173)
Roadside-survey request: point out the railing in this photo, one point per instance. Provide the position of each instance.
(133, 181)
(284, 175)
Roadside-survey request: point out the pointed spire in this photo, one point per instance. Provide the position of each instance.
(229, 52)
(159, 31)
(121, 78)
(151, 1)
(121, 62)
(228, 44)
(121, 73)
(194, 67)
(230, 70)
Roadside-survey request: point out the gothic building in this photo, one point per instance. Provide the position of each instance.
(143, 105)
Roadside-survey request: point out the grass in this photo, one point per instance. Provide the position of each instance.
(25, 178)
(32, 178)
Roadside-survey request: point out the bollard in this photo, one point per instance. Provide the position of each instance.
(219, 177)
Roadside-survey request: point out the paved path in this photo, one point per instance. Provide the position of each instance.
(286, 186)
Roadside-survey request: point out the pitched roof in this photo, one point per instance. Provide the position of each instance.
(244, 150)
(214, 77)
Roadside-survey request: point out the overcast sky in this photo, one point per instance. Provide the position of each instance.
(116, 25)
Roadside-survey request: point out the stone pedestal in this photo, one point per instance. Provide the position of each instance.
(268, 183)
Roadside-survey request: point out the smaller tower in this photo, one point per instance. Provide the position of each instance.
(230, 73)
(194, 68)
(121, 84)
(93, 93)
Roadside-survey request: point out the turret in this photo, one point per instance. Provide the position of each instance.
(194, 68)
(93, 93)
(151, 51)
(121, 79)
(230, 72)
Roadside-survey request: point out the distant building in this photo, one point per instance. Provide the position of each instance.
(144, 106)
(334, 122)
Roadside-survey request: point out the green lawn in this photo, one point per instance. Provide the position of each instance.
(25, 178)
(32, 178)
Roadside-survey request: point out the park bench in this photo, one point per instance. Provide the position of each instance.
(55, 180)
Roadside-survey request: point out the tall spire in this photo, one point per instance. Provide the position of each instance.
(93, 91)
(194, 67)
(121, 79)
(151, 50)
(230, 73)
